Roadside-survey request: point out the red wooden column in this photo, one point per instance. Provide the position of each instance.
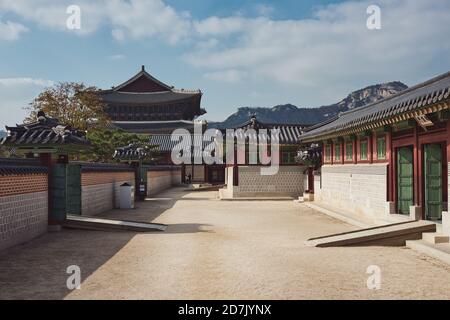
(416, 170)
(370, 147)
(332, 152)
(390, 159)
(355, 151)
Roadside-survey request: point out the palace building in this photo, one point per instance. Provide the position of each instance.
(388, 159)
(143, 104)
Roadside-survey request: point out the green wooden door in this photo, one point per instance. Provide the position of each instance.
(404, 179)
(433, 181)
(58, 192)
(73, 189)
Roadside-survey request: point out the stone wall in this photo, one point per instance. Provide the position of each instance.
(159, 180)
(100, 190)
(23, 207)
(251, 183)
(359, 189)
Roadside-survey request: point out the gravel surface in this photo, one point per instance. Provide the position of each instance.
(216, 249)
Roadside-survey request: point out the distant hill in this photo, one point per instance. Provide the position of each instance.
(289, 113)
(2, 134)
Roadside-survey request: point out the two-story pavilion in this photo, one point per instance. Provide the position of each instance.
(143, 104)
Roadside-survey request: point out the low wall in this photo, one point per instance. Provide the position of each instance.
(159, 179)
(23, 204)
(359, 189)
(100, 190)
(251, 183)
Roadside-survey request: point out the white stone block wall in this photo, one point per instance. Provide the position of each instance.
(158, 181)
(22, 217)
(287, 182)
(99, 198)
(359, 189)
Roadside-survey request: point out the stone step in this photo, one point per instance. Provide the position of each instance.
(101, 224)
(434, 237)
(388, 235)
(438, 251)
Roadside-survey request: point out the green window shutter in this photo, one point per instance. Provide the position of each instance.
(337, 152)
(363, 152)
(381, 148)
(349, 151)
(327, 152)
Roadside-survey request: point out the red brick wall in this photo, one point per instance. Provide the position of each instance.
(22, 184)
(93, 178)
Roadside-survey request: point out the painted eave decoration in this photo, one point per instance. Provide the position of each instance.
(428, 97)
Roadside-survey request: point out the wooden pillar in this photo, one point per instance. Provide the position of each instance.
(355, 150)
(332, 152)
(391, 164)
(370, 147)
(416, 169)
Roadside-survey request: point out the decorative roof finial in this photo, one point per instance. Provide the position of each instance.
(143, 68)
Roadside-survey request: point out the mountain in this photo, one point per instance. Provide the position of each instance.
(289, 113)
(2, 134)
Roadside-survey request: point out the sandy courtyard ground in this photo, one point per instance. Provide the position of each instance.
(216, 250)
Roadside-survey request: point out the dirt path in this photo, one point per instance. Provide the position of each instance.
(216, 250)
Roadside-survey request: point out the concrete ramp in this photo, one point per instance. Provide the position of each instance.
(99, 224)
(388, 235)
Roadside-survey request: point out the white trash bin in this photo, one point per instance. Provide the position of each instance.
(126, 195)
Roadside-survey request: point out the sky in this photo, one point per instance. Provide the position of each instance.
(239, 53)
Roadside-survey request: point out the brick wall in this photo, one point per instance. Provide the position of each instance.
(359, 189)
(287, 182)
(100, 190)
(158, 181)
(23, 207)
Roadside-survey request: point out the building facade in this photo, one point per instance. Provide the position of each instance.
(388, 158)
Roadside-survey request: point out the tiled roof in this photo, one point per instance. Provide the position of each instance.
(164, 143)
(408, 101)
(288, 133)
(153, 126)
(141, 99)
(132, 152)
(45, 131)
(103, 167)
(21, 170)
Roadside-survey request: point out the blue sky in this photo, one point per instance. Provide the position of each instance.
(239, 53)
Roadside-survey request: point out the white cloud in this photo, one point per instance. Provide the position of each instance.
(11, 30)
(7, 82)
(16, 94)
(333, 47)
(230, 76)
(116, 57)
(135, 19)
